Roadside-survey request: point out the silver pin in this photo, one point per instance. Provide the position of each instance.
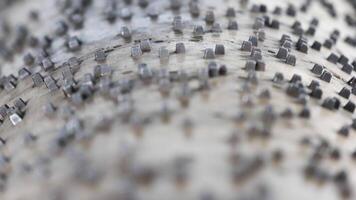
(219, 49)
(20, 105)
(102, 70)
(28, 59)
(180, 48)
(3, 112)
(177, 24)
(347, 68)
(261, 34)
(198, 31)
(232, 25)
(15, 118)
(176, 4)
(100, 55)
(145, 45)
(253, 39)
(47, 64)
(74, 44)
(209, 53)
(345, 92)
(209, 17)
(256, 54)
(144, 72)
(61, 28)
(74, 64)
(282, 53)
(194, 8)
(291, 60)
(258, 24)
(216, 28)
(163, 54)
(136, 52)
(37, 80)
(250, 65)
(326, 76)
(333, 58)
(125, 33)
(212, 71)
(317, 69)
(287, 44)
(230, 12)
(23, 73)
(260, 65)
(246, 46)
(50, 83)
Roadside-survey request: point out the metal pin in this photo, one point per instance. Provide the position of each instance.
(47, 64)
(350, 106)
(345, 92)
(125, 33)
(316, 93)
(216, 28)
(305, 113)
(316, 45)
(176, 4)
(15, 118)
(51, 83)
(344, 131)
(347, 68)
(61, 28)
(194, 9)
(246, 46)
(28, 59)
(3, 112)
(258, 24)
(250, 65)
(177, 24)
(100, 55)
(136, 52)
(213, 69)
(282, 53)
(23, 73)
(328, 43)
(343, 60)
(287, 44)
(278, 78)
(37, 80)
(209, 53)
(291, 60)
(260, 65)
(326, 76)
(317, 69)
(198, 31)
(232, 25)
(209, 17)
(145, 45)
(275, 24)
(20, 104)
(219, 49)
(261, 35)
(180, 48)
(74, 64)
(230, 12)
(333, 58)
(163, 54)
(253, 39)
(74, 43)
